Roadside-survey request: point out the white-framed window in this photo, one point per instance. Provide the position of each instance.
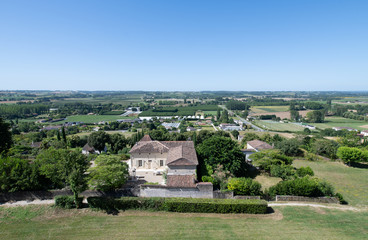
(161, 163)
(140, 163)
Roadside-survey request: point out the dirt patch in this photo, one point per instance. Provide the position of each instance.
(364, 126)
(319, 210)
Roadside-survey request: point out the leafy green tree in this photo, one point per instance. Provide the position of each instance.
(63, 135)
(325, 147)
(98, 140)
(289, 147)
(316, 116)
(285, 172)
(225, 117)
(6, 137)
(304, 171)
(218, 115)
(110, 173)
(244, 186)
(267, 158)
(117, 142)
(235, 134)
(350, 155)
(218, 150)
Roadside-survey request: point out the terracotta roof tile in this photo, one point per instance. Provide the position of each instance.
(180, 181)
(259, 145)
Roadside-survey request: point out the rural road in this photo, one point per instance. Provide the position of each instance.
(243, 120)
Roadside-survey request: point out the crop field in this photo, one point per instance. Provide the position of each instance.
(102, 100)
(178, 111)
(351, 182)
(46, 222)
(342, 122)
(269, 109)
(92, 118)
(213, 113)
(277, 126)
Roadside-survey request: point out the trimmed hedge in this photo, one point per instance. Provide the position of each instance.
(67, 202)
(180, 205)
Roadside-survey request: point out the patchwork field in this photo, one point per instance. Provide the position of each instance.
(269, 109)
(277, 126)
(351, 182)
(281, 115)
(342, 122)
(46, 222)
(92, 118)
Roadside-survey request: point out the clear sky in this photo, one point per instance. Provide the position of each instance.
(186, 45)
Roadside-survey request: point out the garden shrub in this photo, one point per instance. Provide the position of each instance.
(283, 171)
(67, 202)
(180, 204)
(341, 198)
(304, 171)
(305, 186)
(244, 186)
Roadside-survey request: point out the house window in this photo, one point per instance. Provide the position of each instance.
(161, 163)
(140, 163)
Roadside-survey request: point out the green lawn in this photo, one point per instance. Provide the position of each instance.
(277, 126)
(45, 222)
(341, 122)
(351, 182)
(269, 109)
(213, 113)
(92, 118)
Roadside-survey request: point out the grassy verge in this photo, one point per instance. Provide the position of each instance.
(285, 223)
(349, 181)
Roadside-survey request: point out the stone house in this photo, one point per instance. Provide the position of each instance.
(178, 157)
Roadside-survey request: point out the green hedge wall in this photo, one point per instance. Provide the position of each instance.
(180, 205)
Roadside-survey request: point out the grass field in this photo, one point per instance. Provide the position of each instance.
(213, 113)
(351, 182)
(277, 126)
(267, 181)
(92, 118)
(269, 109)
(46, 222)
(342, 122)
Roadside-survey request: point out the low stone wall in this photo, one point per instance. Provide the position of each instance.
(164, 191)
(42, 195)
(307, 199)
(247, 197)
(223, 195)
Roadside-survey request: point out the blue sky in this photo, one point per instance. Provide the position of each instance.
(187, 45)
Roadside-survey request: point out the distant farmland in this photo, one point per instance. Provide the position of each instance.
(331, 122)
(92, 118)
(277, 126)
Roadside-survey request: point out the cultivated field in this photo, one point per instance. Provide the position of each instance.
(269, 109)
(277, 126)
(45, 222)
(351, 182)
(92, 118)
(281, 115)
(342, 122)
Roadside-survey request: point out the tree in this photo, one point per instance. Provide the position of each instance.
(117, 142)
(219, 150)
(225, 116)
(218, 115)
(294, 115)
(235, 134)
(316, 116)
(244, 186)
(350, 155)
(289, 147)
(109, 174)
(63, 135)
(267, 158)
(325, 147)
(98, 140)
(6, 137)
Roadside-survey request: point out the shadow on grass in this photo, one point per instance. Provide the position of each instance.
(359, 165)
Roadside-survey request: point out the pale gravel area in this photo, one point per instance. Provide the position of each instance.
(332, 206)
(26, 203)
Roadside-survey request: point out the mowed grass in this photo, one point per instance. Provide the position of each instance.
(331, 122)
(267, 181)
(351, 182)
(46, 222)
(269, 109)
(277, 126)
(92, 118)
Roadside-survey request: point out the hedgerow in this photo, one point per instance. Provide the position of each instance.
(180, 205)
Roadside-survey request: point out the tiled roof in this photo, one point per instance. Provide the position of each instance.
(146, 138)
(179, 152)
(88, 148)
(180, 181)
(259, 145)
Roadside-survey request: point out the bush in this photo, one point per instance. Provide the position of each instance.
(67, 202)
(341, 198)
(180, 204)
(244, 186)
(312, 157)
(305, 186)
(283, 171)
(304, 171)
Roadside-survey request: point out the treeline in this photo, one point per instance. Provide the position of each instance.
(237, 105)
(178, 111)
(13, 111)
